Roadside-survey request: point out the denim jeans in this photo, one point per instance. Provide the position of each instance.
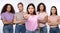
(54, 30)
(27, 31)
(43, 29)
(20, 28)
(8, 29)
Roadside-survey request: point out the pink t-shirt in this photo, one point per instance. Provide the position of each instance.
(42, 16)
(32, 23)
(53, 18)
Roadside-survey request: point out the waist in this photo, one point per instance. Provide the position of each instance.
(8, 24)
(53, 26)
(20, 24)
(31, 28)
(42, 25)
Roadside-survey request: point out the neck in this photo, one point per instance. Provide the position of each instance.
(53, 14)
(20, 11)
(7, 12)
(41, 11)
(31, 14)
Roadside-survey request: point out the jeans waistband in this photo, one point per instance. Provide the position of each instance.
(8, 24)
(20, 24)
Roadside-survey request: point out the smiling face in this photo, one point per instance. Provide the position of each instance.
(31, 9)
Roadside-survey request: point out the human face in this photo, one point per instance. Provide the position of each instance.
(41, 7)
(53, 10)
(31, 9)
(20, 7)
(8, 8)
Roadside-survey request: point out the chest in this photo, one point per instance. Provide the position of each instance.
(9, 16)
(19, 16)
(54, 19)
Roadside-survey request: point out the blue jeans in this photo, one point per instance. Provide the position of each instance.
(20, 28)
(54, 30)
(8, 29)
(27, 31)
(43, 29)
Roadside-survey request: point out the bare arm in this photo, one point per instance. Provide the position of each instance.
(51, 23)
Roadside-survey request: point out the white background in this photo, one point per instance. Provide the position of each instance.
(48, 4)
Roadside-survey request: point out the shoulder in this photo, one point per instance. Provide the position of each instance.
(49, 17)
(12, 14)
(45, 13)
(37, 13)
(58, 17)
(16, 12)
(3, 13)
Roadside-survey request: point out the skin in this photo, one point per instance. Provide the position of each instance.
(41, 8)
(30, 10)
(8, 10)
(20, 7)
(52, 23)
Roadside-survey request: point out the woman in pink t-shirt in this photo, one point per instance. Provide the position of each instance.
(41, 8)
(53, 20)
(31, 19)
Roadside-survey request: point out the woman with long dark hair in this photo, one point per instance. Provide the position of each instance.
(41, 11)
(31, 19)
(7, 16)
(53, 20)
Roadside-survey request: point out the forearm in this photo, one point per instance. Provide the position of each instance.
(53, 24)
(7, 22)
(42, 21)
(19, 22)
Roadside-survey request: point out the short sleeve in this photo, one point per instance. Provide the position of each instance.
(15, 14)
(46, 14)
(2, 16)
(37, 13)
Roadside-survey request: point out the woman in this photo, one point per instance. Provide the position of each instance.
(19, 20)
(7, 16)
(31, 19)
(53, 20)
(41, 9)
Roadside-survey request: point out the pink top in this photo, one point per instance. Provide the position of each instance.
(53, 18)
(42, 16)
(32, 23)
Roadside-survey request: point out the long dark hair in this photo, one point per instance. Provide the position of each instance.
(38, 7)
(4, 9)
(31, 4)
(51, 9)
